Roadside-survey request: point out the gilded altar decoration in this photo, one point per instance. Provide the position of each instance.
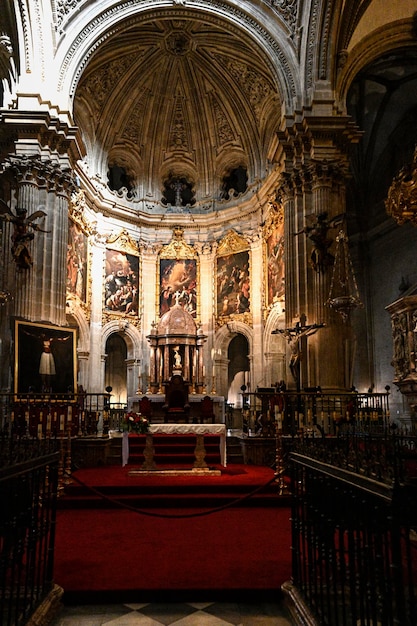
(233, 279)
(177, 281)
(401, 202)
(121, 285)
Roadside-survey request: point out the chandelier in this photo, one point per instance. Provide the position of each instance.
(401, 202)
(344, 294)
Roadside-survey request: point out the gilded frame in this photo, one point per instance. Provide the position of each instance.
(121, 283)
(274, 263)
(232, 291)
(178, 271)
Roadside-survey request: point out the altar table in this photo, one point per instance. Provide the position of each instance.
(182, 429)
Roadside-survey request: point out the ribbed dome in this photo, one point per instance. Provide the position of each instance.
(178, 101)
(177, 321)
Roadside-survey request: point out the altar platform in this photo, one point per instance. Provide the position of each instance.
(158, 399)
(198, 433)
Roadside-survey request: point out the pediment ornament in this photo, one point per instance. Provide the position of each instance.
(178, 248)
(123, 242)
(232, 242)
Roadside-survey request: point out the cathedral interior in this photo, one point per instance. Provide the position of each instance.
(242, 155)
(220, 190)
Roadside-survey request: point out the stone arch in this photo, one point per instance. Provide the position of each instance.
(222, 340)
(130, 335)
(274, 347)
(76, 317)
(92, 31)
(381, 41)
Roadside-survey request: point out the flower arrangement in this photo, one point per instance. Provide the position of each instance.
(135, 423)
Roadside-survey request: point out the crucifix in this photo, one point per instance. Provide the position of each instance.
(293, 337)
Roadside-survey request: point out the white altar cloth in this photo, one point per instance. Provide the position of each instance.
(182, 429)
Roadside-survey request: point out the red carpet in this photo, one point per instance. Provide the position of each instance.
(173, 550)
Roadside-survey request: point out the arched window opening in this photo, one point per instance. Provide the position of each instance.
(238, 371)
(116, 369)
(235, 183)
(119, 179)
(178, 191)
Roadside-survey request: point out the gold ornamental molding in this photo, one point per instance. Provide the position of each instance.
(401, 203)
(177, 248)
(232, 242)
(123, 241)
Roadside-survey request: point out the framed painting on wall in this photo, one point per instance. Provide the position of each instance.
(233, 288)
(121, 286)
(45, 358)
(77, 255)
(275, 263)
(178, 276)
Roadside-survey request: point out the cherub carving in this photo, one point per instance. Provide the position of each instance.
(21, 235)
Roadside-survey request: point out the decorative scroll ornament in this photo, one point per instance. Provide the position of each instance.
(401, 202)
(344, 293)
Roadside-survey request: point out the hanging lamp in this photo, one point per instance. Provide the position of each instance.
(344, 293)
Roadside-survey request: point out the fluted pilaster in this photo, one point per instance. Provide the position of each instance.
(36, 185)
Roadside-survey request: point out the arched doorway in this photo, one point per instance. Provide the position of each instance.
(116, 368)
(238, 369)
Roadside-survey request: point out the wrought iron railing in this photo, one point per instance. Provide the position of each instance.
(28, 493)
(323, 411)
(354, 517)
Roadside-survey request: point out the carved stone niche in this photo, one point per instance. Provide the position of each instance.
(403, 314)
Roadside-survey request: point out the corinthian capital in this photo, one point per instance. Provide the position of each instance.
(32, 169)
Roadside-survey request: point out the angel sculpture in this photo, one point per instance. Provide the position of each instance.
(316, 229)
(21, 234)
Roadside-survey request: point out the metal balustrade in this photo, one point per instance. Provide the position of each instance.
(353, 530)
(28, 492)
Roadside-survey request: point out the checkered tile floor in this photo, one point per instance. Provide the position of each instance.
(174, 614)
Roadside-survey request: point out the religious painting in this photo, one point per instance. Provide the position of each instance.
(122, 277)
(77, 261)
(45, 358)
(275, 264)
(233, 284)
(178, 272)
(178, 283)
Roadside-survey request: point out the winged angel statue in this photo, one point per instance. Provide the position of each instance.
(22, 233)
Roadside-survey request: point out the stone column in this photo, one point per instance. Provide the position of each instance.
(256, 355)
(328, 349)
(313, 156)
(35, 185)
(150, 304)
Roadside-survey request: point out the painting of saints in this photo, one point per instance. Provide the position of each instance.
(275, 265)
(77, 262)
(233, 288)
(178, 276)
(121, 282)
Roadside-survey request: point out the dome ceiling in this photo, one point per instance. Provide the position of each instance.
(178, 102)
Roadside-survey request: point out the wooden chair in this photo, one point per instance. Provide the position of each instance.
(145, 408)
(176, 405)
(207, 410)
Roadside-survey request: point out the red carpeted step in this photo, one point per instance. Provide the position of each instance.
(111, 487)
